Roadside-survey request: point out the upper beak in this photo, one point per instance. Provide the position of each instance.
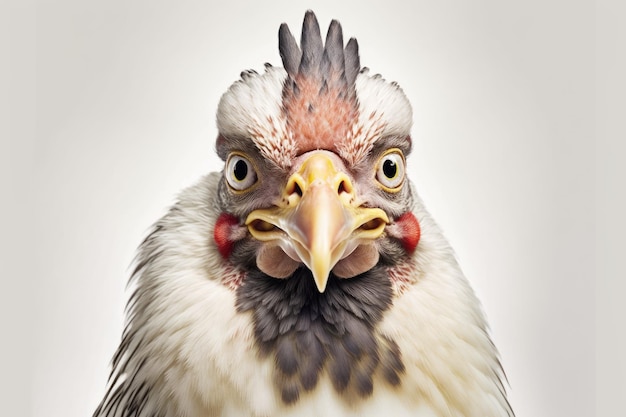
(318, 221)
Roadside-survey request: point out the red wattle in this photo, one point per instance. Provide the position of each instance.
(411, 231)
(222, 231)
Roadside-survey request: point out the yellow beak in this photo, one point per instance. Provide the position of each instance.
(318, 221)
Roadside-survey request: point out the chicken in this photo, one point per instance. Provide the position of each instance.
(306, 278)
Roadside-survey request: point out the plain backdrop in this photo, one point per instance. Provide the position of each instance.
(507, 97)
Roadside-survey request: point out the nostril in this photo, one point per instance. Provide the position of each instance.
(341, 188)
(296, 189)
(345, 186)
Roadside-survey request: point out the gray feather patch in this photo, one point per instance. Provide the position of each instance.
(333, 61)
(312, 47)
(289, 50)
(330, 62)
(307, 332)
(352, 64)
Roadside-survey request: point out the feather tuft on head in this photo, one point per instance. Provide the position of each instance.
(329, 63)
(319, 96)
(322, 99)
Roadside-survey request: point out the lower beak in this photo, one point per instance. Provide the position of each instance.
(318, 222)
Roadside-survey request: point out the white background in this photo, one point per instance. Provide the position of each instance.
(509, 109)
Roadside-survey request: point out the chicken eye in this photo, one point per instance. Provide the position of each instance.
(390, 170)
(240, 173)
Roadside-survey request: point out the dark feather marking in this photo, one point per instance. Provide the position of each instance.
(312, 358)
(325, 68)
(127, 338)
(329, 62)
(364, 384)
(286, 355)
(296, 89)
(290, 392)
(114, 401)
(312, 47)
(339, 366)
(133, 403)
(248, 73)
(112, 396)
(141, 264)
(118, 368)
(323, 88)
(140, 402)
(129, 397)
(393, 367)
(289, 50)
(334, 46)
(352, 61)
(125, 387)
(306, 332)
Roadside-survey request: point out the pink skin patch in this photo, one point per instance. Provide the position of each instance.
(318, 119)
(222, 234)
(227, 231)
(407, 229)
(404, 275)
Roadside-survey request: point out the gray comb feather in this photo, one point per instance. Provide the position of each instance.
(331, 64)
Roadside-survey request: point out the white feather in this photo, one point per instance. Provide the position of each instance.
(377, 98)
(252, 109)
(199, 358)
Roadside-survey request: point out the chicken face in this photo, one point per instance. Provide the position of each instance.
(315, 165)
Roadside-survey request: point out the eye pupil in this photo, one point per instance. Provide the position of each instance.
(390, 168)
(241, 170)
